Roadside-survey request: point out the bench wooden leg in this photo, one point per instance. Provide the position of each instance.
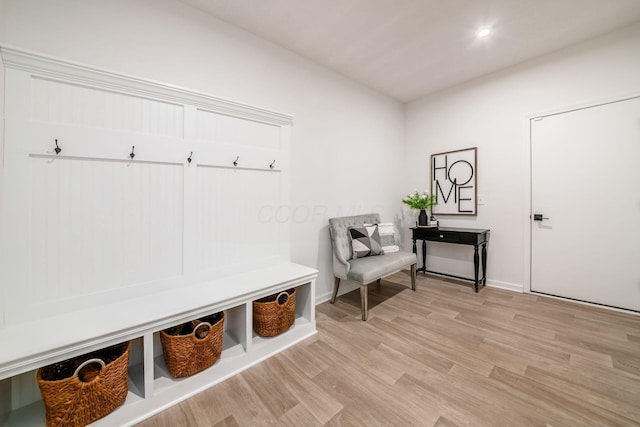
(413, 277)
(336, 285)
(364, 301)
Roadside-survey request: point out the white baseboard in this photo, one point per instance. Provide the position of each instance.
(346, 286)
(514, 287)
(590, 304)
(323, 297)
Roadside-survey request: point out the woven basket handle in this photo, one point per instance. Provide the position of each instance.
(198, 326)
(88, 362)
(285, 293)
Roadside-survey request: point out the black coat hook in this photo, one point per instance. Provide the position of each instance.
(235, 162)
(132, 155)
(189, 159)
(271, 165)
(57, 149)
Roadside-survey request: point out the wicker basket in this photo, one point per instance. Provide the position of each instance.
(194, 346)
(78, 391)
(274, 314)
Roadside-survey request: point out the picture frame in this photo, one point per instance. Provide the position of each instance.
(453, 176)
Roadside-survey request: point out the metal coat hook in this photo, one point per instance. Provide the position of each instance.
(57, 149)
(132, 155)
(189, 159)
(272, 164)
(235, 162)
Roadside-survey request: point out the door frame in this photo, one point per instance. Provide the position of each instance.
(528, 184)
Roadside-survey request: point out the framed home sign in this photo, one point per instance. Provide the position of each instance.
(453, 182)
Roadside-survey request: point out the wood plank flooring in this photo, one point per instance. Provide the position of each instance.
(440, 356)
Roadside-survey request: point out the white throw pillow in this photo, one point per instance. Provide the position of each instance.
(387, 237)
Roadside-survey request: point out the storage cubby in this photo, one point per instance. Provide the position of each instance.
(27, 408)
(304, 315)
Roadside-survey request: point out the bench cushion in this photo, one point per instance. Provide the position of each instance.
(369, 269)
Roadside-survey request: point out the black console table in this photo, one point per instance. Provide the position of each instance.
(462, 236)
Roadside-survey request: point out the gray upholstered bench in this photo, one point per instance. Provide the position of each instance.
(363, 270)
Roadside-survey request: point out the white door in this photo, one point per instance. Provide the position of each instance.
(585, 182)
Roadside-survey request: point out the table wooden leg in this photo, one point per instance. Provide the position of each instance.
(476, 265)
(424, 256)
(484, 264)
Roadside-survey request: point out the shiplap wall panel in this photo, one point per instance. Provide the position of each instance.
(62, 103)
(90, 226)
(103, 225)
(223, 129)
(235, 219)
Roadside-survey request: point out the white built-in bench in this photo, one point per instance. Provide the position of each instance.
(26, 347)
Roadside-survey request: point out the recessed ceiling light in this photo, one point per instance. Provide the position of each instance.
(483, 32)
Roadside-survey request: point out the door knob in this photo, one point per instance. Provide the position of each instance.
(539, 217)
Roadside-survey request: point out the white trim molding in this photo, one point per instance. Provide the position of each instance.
(56, 69)
(514, 287)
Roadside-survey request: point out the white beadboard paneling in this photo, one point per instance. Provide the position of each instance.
(230, 222)
(64, 103)
(100, 225)
(88, 228)
(222, 129)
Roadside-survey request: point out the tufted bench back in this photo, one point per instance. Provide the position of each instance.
(339, 237)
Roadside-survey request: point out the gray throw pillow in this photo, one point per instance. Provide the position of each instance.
(387, 237)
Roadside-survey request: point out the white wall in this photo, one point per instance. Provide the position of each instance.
(492, 113)
(346, 140)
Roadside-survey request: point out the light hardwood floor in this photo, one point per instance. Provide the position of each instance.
(442, 356)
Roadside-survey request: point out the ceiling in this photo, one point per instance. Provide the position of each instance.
(410, 48)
